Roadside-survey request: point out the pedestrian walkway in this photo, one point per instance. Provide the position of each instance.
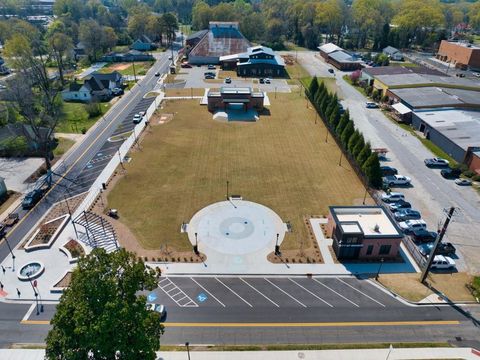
(91, 69)
(352, 354)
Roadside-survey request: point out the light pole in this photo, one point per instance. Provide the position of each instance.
(195, 247)
(341, 155)
(326, 136)
(277, 247)
(365, 196)
(11, 252)
(188, 350)
(117, 355)
(379, 269)
(227, 188)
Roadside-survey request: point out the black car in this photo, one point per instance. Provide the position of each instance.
(32, 198)
(388, 171)
(445, 249)
(423, 235)
(451, 173)
(331, 71)
(261, 81)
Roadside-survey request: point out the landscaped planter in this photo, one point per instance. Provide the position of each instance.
(73, 249)
(62, 283)
(46, 234)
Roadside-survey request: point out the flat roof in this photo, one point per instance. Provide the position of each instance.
(350, 228)
(434, 97)
(463, 44)
(328, 48)
(236, 90)
(343, 57)
(418, 78)
(401, 109)
(373, 220)
(460, 126)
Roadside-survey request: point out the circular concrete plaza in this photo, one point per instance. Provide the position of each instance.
(236, 227)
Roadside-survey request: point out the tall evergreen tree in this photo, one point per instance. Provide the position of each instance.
(313, 88)
(372, 171)
(324, 104)
(364, 154)
(342, 123)
(347, 133)
(353, 140)
(334, 117)
(358, 147)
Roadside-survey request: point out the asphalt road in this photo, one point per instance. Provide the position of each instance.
(256, 310)
(89, 158)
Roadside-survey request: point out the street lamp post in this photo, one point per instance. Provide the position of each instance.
(379, 269)
(277, 247)
(341, 155)
(11, 252)
(195, 247)
(188, 350)
(365, 196)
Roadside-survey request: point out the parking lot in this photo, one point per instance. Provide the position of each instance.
(96, 165)
(194, 78)
(273, 292)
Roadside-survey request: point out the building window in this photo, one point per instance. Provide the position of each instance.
(369, 250)
(384, 249)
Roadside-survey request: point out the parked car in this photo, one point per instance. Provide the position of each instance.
(117, 91)
(228, 80)
(331, 71)
(388, 170)
(442, 262)
(186, 66)
(399, 205)
(423, 235)
(463, 182)
(396, 180)
(137, 118)
(451, 173)
(409, 226)
(211, 67)
(407, 214)
(393, 197)
(267, 81)
(157, 74)
(371, 105)
(476, 74)
(462, 75)
(157, 308)
(170, 57)
(261, 81)
(209, 76)
(32, 198)
(436, 162)
(442, 249)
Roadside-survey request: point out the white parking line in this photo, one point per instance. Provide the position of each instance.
(265, 296)
(361, 292)
(245, 301)
(329, 288)
(290, 296)
(313, 294)
(208, 292)
(189, 303)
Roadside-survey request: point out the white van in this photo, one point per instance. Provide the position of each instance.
(393, 197)
(442, 262)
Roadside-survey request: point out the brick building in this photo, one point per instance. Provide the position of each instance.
(461, 55)
(227, 96)
(363, 233)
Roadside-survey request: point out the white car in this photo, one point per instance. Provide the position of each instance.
(396, 180)
(267, 81)
(410, 225)
(137, 119)
(393, 197)
(442, 262)
(463, 182)
(476, 74)
(157, 308)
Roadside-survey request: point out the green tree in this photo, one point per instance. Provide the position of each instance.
(313, 88)
(353, 141)
(324, 104)
(330, 15)
(91, 35)
(347, 133)
(372, 171)
(60, 46)
(358, 147)
(344, 119)
(364, 154)
(334, 118)
(102, 311)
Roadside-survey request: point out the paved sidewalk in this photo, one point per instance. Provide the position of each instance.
(364, 354)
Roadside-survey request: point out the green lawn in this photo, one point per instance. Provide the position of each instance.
(75, 118)
(281, 161)
(63, 146)
(403, 63)
(141, 68)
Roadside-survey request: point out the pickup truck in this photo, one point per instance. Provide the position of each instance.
(32, 198)
(396, 180)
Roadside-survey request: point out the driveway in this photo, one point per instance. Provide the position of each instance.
(430, 194)
(16, 170)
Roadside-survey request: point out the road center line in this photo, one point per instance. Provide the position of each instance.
(361, 292)
(329, 288)
(313, 294)
(290, 296)
(208, 292)
(246, 302)
(265, 296)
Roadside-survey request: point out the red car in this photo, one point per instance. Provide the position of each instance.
(186, 65)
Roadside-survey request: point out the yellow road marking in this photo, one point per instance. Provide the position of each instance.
(316, 324)
(72, 166)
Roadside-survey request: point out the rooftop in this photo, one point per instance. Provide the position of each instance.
(464, 44)
(342, 57)
(460, 126)
(372, 220)
(396, 70)
(434, 97)
(417, 78)
(329, 48)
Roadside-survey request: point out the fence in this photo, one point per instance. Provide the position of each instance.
(107, 172)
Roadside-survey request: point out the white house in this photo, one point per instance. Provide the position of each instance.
(393, 53)
(77, 92)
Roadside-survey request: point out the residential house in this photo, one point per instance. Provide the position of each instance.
(98, 87)
(79, 51)
(143, 43)
(393, 53)
(130, 56)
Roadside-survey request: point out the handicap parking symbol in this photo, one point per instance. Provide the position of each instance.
(202, 297)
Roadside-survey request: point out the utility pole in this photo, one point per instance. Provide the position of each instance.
(435, 245)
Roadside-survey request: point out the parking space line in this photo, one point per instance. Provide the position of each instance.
(189, 303)
(329, 288)
(245, 301)
(361, 292)
(290, 296)
(266, 297)
(208, 292)
(311, 293)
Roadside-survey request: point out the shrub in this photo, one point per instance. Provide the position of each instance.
(93, 109)
(84, 130)
(469, 173)
(476, 177)
(14, 146)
